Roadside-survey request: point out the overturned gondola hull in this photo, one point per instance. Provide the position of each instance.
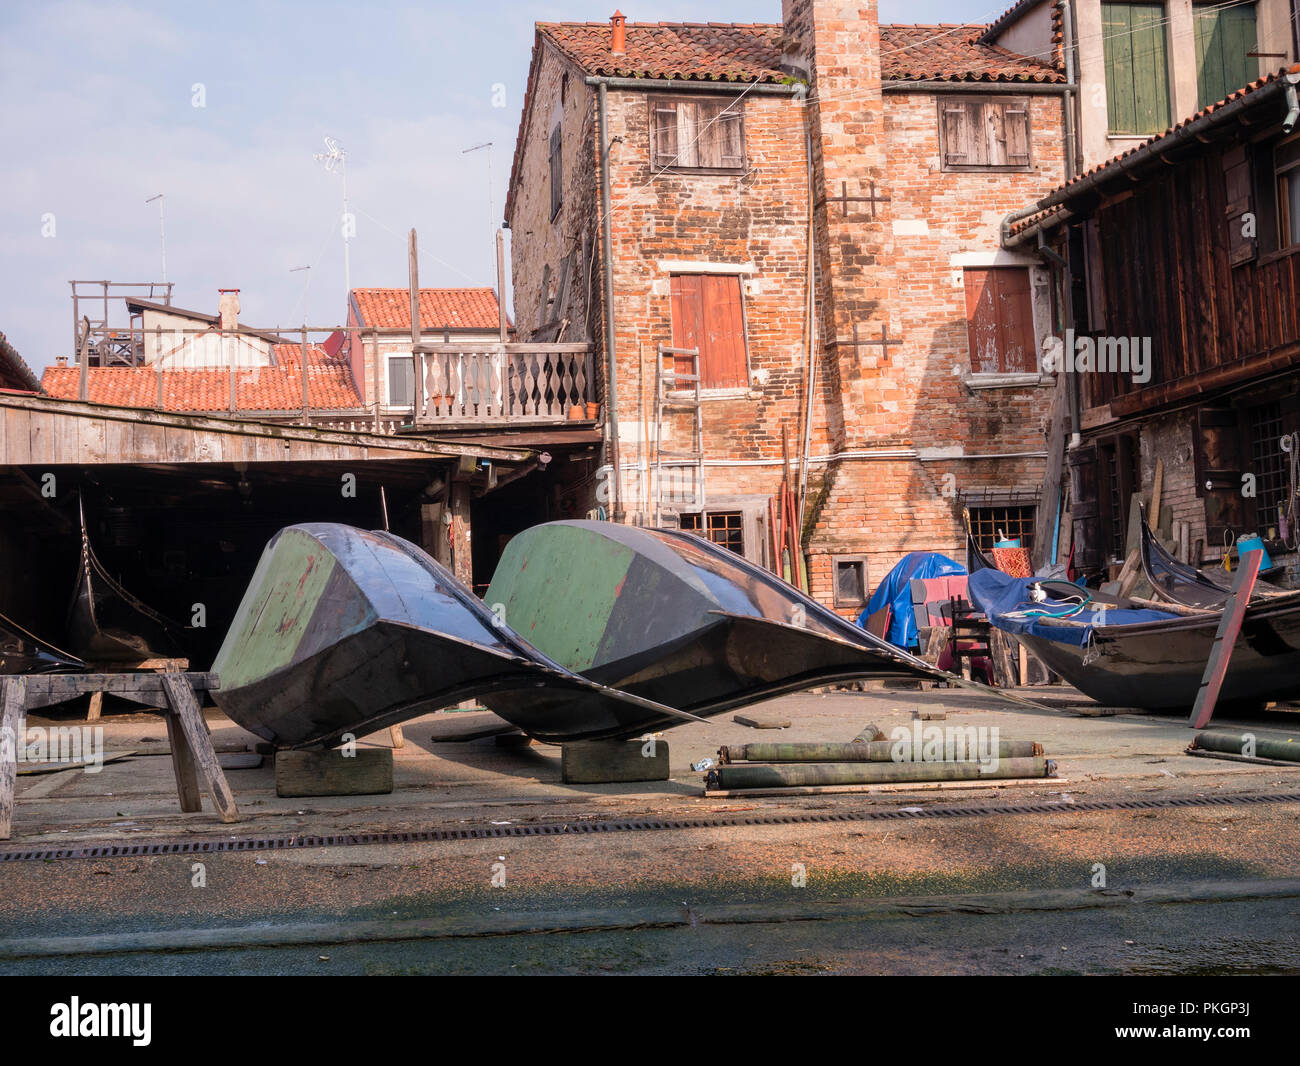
(344, 631)
(673, 618)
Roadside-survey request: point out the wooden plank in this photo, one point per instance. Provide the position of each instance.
(366, 772)
(195, 731)
(96, 707)
(145, 688)
(12, 712)
(16, 447)
(1225, 639)
(183, 767)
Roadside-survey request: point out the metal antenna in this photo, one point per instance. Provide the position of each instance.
(492, 225)
(305, 289)
(335, 156)
(162, 232)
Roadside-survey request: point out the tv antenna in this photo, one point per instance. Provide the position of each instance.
(162, 232)
(334, 156)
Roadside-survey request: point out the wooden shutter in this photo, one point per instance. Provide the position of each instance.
(707, 313)
(1219, 465)
(1225, 37)
(1237, 186)
(697, 134)
(557, 171)
(978, 132)
(1137, 67)
(1000, 321)
(1085, 510)
(663, 144)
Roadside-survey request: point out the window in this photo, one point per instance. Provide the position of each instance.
(1225, 37)
(984, 133)
(1014, 522)
(850, 580)
(696, 134)
(722, 527)
(401, 381)
(707, 314)
(1137, 68)
(1270, 465)
(1286, 165)
(1000, 321)
(557, 172)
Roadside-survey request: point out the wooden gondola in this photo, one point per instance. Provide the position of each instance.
(1183, 584)
(22, 652)
(106, 624)
(674, 618)
(346, 631)
(1156, 663)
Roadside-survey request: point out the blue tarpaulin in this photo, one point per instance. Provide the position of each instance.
(1005, 600)
(896, 590)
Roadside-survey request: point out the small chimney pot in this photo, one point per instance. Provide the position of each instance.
(618, 44)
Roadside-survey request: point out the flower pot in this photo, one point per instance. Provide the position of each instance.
(577, 413)
(593, 411)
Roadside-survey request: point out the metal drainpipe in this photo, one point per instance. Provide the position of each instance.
(1067, 26)
(611, 369)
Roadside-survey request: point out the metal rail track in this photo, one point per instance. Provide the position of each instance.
(190, 846)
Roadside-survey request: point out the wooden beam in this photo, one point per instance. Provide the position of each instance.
(1225, 639)
(12, 712)
(193, 735)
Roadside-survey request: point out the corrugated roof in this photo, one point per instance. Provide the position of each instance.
(14, 371)
(439, 308)
(267, 388)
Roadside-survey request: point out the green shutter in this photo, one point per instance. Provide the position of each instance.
(1137, 67)
(1224, 38)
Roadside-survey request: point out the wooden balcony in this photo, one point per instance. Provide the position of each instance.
(502, 384)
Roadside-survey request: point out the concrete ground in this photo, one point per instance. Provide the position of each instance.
(996, 893)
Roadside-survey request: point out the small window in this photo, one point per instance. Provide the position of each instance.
(401, 381)
(1000, 321)
(850, 580)
(694, 134)
(708, 314)
(1137, 68)
(557, 172)
(722, 527)
(984, 133)
(1286, 165)
(990, 524)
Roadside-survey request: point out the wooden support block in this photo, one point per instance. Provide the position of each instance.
(96, 707)
(930, 716)
(193, 735)
(13, 695)
(366, 772)
(397, 736)
(759, 720)
(1006, 665)
(599, 762)
(183, 767)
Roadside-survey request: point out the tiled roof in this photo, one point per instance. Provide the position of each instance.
(439, 308)
(752, 52)
(1010, 16)
(266, 388)
(14, 371)
(1203, 117)
(712, 51)
(954, 53)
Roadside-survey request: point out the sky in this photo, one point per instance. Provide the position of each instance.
(221, 108)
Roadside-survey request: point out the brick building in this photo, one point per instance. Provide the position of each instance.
(905, 146)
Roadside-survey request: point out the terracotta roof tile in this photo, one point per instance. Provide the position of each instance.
(1118, 160)
(439, 308)
(954, 53)
(752, 52)
(266, 388)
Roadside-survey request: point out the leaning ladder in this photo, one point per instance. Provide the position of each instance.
(668, 395)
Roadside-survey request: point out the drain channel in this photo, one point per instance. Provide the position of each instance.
(190, 846)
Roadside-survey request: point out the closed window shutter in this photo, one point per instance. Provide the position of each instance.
(1219, 465)
(985, 133)
(1237, 193)
(958, 129)
(1137, 67)
(1000, 321)
(1017, 133)
(697, 134)
(707, 313)
(1225, 37)
(688, 134)
(665, 136)
(557, 172)
(731, 138)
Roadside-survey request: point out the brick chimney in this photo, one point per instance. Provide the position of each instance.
(618, 40)
(228, 308)
(835, 45)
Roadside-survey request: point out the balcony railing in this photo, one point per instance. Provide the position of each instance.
(472, 384)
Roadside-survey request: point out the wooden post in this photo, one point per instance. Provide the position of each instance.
(501, 284)
(83, 355)
(462, 564)
(13, 698)
(374, 373)
(192, 738)
(417, 359)
(1234, 611)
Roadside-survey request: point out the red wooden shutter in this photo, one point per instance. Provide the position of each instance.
(707, 313)
(1000, 321)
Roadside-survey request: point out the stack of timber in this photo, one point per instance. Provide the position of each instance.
(1247, 747)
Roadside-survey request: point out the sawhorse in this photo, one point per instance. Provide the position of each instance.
(193, 758)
